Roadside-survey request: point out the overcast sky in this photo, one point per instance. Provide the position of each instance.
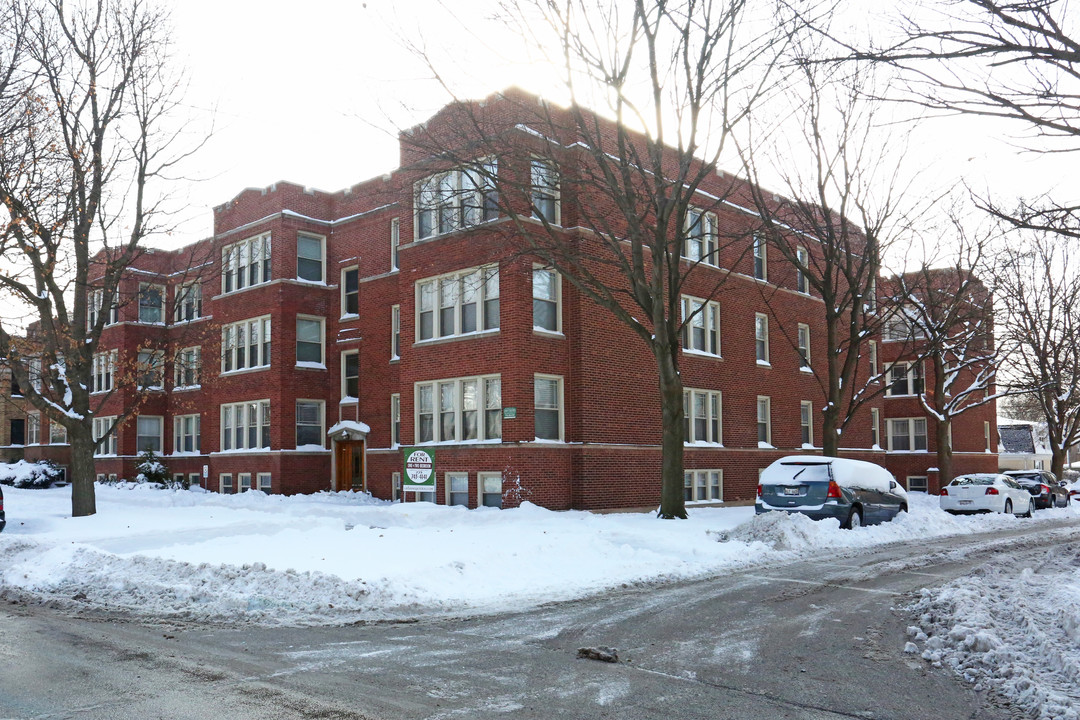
(314, 93)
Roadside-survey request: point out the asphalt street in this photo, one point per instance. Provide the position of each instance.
(819, 639)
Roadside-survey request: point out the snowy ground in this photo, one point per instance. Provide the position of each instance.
(335, 558)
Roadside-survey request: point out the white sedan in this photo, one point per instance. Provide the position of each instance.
(986, 492)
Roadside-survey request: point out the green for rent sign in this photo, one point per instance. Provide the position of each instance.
(419, 470)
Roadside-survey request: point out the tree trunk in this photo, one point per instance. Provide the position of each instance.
(944, 453)
(830, 437)
(82, 472)
(672, 502)
(1057, 462)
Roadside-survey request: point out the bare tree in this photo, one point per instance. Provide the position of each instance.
(842, 212)
(86, 110)
(944, 313)
(1038, 289)
(643, 209)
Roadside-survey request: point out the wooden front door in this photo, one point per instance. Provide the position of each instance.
(349, 464)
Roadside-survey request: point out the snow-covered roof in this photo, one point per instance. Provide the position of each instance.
(351, 426)
(1016, 438)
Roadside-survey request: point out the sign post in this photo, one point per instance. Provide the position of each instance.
(419, 470)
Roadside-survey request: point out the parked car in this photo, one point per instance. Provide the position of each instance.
(1047, 490)
(986, 492)
(852, 491)
(3, 522)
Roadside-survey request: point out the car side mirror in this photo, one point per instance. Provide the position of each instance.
(892, 484)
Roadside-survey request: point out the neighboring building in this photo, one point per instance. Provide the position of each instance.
(24, 432)
(316, 334)
(1019, 447)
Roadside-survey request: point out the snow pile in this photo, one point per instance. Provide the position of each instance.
(22, 474)
(782, 531)
(1017, 636)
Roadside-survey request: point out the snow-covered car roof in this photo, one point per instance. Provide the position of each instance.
(854, 474)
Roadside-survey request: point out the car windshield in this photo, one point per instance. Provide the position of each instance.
(973, 480)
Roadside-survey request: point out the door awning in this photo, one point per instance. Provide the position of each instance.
(348, 430)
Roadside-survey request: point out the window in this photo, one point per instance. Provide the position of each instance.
(395, 486)
(245, 425)
(395, 331)
(148, 433)
(545, 191)
(33, 369)
(760, 268)
(457, 489)
(151, 304)
(395, 420)
(395, 241)
(350, 292)
(761, 338)
(104, 435)
(194, 480)
(246, 344)
(150, 368)
(309, 257)
(265, 482)
(245, 263)
(350, 374)
(703, 485)
(764, 421)
(905, 379)
(93, 310)
(986, 436)
(875, 428)
(33, 428)
(309, 341)
(456, 199)
(178, 478)
(468, 409)
(57, 433)
(902, 327)
(547, 407)
(186, 434)
(187, 368)
(702, 417)
(188, 303)
(244, 480)
(806, 422)
(873, 358)
(804, 345)
(468, 302)
(491, 490)
(907, 434)
(700, 244)
(547, 297)
(871, 301)
(802, 258)
(225, 483)
(104, 368)
(701, 326)
(309, 423)
(917, 483)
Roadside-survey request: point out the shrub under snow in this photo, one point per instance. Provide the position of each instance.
(24, 474)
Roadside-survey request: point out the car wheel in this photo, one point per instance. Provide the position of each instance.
(1008, 506)
(903, 508)
(854, 519)
(1031, 510)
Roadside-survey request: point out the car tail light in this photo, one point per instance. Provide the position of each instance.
(1045, 489)
(944, 491)
(991, 491)
(834, 490)
(759, 490)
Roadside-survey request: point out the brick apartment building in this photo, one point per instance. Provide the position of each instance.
(316, 334)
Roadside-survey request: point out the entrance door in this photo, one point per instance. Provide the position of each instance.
(349, 462)
(18, 431)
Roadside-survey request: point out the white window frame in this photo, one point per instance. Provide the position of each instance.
(33, 370)
(448, 480)
(322, 422)
(265, 482)
(395, 332)
(759, 253)
(701, 247)
(703, 482)
(481, 494)
(395, 243)
(764, 401)
(761, 338)
(803, 333)
(806, 423)
(104, 371)
(58, 434)
(561, 408)
(437, 295)
(104, 434)
(194, 479)
(986, 435)
(484, 391)
(189, 358)
(231, 349)
(93, 309)
(345, 313)
(873, 359)
(706, 318)
(875, 427)
(395, 420)
(237, 260)
(714, 417)
(243, 481)
(345, 396)
(33, 428)
(161, 307)
(154, 371)
(395, 486)
(925, 483)
(160, 435)
(446, 197)
(557, 290)
(548, 191)
(228, 415)
(321, 364)
(222, 484)
(913, 374)
(322, 257)
(911, 435)
(188, 297)
(802, 285)
(181, 434)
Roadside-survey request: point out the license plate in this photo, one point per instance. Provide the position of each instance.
(791, 491)
(966, 502)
